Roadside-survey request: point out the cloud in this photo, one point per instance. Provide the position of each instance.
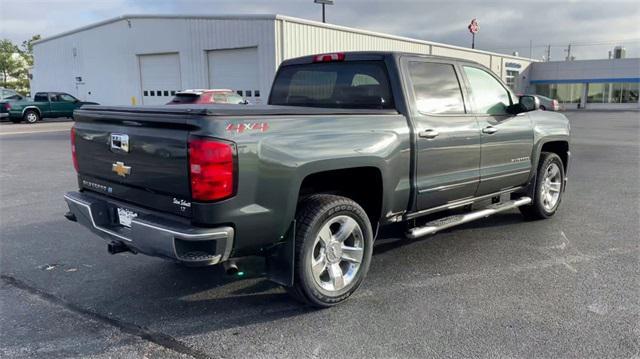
(505, 25)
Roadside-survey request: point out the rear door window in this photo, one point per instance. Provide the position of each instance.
(436, 88)
(351, 84)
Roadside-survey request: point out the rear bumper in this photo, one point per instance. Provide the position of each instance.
(151, 233)
(4, 115)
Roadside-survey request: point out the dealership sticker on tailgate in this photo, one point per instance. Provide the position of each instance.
(125, 216)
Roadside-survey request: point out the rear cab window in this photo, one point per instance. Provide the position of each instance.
(41, 97)
(184, 98)
(348, 84)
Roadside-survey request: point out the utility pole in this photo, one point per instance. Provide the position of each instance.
(323, 3)
(548, 52)
(568, 50)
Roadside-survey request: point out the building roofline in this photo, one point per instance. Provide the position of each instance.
(276, 17)
(155, 16)
(396, 37)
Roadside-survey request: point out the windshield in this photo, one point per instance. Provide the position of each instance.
(353, 84)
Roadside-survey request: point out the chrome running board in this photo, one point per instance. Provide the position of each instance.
(452, 221)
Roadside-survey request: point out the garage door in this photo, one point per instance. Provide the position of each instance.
(235, 69)
(160, 78)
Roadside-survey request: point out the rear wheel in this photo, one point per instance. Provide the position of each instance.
(548, 191)
(31, 116)
(334, 242)
(543, 108)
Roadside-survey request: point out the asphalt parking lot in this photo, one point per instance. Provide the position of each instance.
(503, 287)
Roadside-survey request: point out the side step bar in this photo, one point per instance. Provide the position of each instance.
(452, 221)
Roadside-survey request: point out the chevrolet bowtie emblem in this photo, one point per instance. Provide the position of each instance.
(120, 169)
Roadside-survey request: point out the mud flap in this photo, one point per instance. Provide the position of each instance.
(281, 258)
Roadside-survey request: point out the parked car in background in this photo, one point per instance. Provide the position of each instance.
(10, 95)
(6, 96)
(44, 105)
(307, 181)
(204, 96)
(548, 104)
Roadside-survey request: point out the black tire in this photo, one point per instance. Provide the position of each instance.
(537, 209)
(543, 108)
(313, 214)
(31, 116)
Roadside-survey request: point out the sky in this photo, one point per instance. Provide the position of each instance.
(592, 27)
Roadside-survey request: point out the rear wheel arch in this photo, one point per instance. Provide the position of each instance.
(35, 108)
(364, 185)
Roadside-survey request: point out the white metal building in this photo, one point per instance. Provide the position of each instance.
(144, 59)
(589, 84)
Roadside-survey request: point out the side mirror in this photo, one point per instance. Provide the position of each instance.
(528, 103)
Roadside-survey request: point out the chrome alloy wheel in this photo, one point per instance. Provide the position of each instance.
(337, 253)
(551, 187)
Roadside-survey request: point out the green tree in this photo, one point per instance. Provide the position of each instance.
(26, 49)
(10, 66)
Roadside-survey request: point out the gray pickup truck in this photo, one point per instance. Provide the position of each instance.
(350, 144)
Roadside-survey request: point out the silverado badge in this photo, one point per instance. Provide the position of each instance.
(120, 169)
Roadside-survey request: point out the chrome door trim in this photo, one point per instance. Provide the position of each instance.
(459, 203)
(504, 175)
(448, 187)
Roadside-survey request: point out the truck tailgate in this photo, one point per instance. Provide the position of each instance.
(134, 155)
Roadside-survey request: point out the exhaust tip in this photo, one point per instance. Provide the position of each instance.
(231, 268)
(117, 247)
(70, 216)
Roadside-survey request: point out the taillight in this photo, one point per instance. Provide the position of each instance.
(74, 156)
(7, 106)
(212, 169)
(338, 56)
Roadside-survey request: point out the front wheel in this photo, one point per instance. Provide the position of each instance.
(549, 188)
(334, 242)
(31, 116)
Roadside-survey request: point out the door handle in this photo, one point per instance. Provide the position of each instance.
(430, 134)
(489, 130)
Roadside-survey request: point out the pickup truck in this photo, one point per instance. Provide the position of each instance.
(350, 144)
(44, 104)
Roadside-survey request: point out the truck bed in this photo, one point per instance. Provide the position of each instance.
(233, 110)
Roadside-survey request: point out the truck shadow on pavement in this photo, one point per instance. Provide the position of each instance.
(175, 300)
